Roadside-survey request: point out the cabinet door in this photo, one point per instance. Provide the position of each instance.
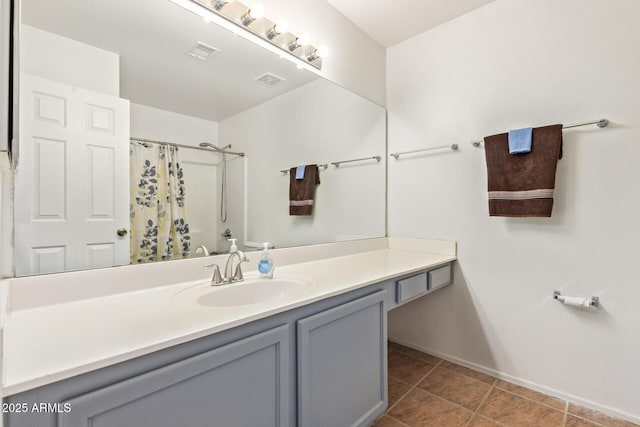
(342, 364)
(242, 384)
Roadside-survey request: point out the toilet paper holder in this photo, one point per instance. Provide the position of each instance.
(593, 301)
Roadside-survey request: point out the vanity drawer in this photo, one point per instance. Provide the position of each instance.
(411, 287)
(439, 277)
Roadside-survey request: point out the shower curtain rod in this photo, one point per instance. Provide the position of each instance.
(151, 141)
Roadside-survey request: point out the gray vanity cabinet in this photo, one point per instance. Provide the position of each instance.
(241, 384)
(319, 365)
(342, 364)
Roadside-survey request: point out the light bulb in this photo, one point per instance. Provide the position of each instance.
(276, 30)
(282, 26)
(256, 11)
(322, 51)
(304, 39)
(219, 4)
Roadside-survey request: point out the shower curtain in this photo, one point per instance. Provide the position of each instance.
(159, 227)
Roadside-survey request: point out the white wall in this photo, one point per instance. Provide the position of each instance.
(64, 60)
(5, 23)
(201, 169)
(316, 123)
(154, 123)
(355, 62)
(511, 64)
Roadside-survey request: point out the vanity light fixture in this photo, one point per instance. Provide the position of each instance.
(256, 12)
(318, 53)
(219, 4)
(237, 18)
(279, 28)
(299, 41)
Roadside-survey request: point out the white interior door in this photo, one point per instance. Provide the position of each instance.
(72, 179)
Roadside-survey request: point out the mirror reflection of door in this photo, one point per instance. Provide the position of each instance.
(69, 212)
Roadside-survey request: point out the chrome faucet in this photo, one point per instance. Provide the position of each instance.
(216, 279)
(202, 249)
(228, 268)
(230, 276)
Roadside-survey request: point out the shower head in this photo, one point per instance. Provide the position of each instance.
(215, 147)
(210, 145)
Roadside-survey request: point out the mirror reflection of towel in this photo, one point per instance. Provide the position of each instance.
(302, 192)
(300, 172)
(522, 185)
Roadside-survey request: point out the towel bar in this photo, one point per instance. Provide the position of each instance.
(323, 166)
(602, 123)
(376, 158)
(452, 147)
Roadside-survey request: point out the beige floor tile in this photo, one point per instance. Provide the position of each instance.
(457, 388)
(468, 372)
(406, 368)
(598, 417)
(483, 422)
(397, 389)
(531, 394)
(422, 409)
(387, 421)
(512, 410)
(579, 422)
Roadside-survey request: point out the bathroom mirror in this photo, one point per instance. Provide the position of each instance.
(94, 74)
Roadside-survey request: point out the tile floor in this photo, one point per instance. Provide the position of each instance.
(425, 391)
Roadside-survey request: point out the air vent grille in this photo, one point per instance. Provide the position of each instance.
(203, 51)
(268, 79)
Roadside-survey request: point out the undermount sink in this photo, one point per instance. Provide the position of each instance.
(250, 291)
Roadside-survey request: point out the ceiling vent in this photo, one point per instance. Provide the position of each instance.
(268, 79)
(203, 51)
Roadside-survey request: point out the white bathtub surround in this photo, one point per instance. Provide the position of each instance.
(126, 312)
(512, 64)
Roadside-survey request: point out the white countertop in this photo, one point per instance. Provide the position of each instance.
(45, 344)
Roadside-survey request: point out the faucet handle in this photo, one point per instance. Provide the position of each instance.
(216, 279)
(237, 276)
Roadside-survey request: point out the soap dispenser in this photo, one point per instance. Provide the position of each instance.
(234, 247)
(265, 264)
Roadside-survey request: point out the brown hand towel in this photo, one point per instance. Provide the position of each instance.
(301, 192)
(522, 184)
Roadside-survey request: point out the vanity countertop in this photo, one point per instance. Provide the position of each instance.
(48, 343)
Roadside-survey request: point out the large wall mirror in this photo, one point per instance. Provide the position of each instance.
(116, 98)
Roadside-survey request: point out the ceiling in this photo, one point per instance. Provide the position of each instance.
(392, 21)
(151, 37)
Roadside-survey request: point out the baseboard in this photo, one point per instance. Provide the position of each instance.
(612, 412)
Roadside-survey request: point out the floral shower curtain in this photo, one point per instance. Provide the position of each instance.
(159, 227)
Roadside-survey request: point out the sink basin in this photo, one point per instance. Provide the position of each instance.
(252, 291)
